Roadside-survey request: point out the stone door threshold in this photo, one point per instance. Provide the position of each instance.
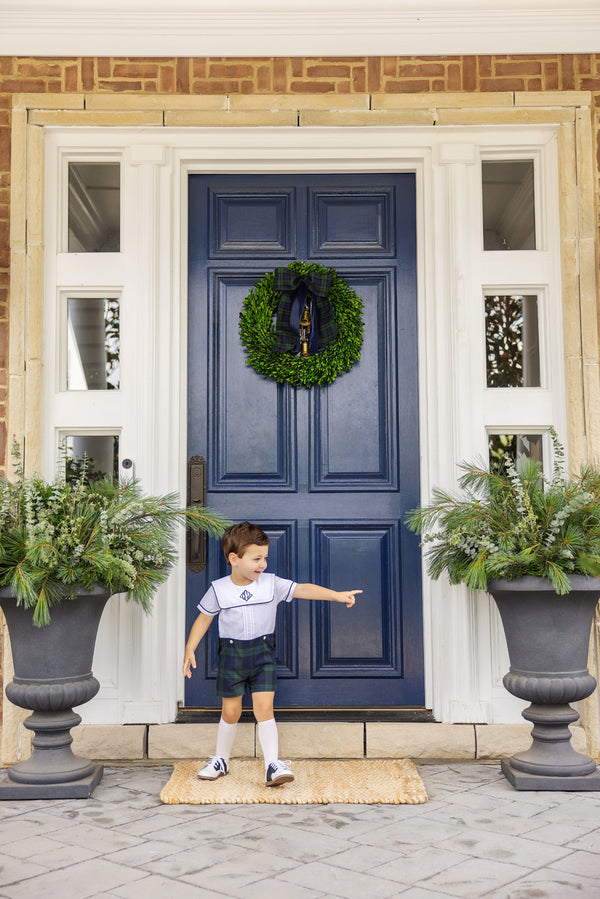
(405, 714)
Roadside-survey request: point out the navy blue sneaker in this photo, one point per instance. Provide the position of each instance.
(278, 773)
(216, 768)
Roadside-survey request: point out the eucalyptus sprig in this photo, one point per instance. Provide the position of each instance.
(56, 537)
(510, 522)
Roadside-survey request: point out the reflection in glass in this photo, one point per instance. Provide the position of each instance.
(98, 453)
(93, 343)
(508, 205)
(512, 341)
(516, 447)
(94, 207)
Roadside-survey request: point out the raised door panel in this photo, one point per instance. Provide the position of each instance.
(252, 421)
(352, 222)
(361, 643)
(354, 421)
(251, 223)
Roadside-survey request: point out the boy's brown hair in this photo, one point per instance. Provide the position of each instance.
(238, 537)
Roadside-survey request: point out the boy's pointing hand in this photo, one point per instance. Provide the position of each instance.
(348, 596)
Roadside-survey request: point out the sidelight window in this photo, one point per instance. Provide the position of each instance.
(94, 207)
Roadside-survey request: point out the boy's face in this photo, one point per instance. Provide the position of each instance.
(248, 566)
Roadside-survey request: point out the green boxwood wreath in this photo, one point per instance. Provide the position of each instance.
(257, 333)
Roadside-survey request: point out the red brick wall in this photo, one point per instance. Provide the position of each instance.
(311, 75)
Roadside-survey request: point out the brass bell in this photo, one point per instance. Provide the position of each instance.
(305, 325)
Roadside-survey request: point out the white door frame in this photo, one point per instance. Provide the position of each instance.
(465, 654)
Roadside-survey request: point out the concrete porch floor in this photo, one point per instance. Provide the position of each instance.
(475, 837)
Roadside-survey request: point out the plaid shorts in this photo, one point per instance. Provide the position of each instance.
(246, 665)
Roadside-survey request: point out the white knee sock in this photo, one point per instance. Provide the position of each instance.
(269, 740)
(225, 738)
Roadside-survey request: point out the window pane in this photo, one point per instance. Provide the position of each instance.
(508, 205)
(94, 207)
(512, 341)
(99, 453)
(93, 343)
(516, 447)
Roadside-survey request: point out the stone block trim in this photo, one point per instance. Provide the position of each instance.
(195, 741)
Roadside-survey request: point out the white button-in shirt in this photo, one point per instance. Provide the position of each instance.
(250, 611)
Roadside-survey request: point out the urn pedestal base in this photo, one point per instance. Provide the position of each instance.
(74, 789)
(521, 780)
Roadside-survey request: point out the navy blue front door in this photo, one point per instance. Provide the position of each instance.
(328, 472)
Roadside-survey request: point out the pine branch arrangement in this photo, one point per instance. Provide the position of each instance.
(510, 522)
(56, 537)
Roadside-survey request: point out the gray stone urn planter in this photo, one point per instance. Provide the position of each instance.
(548, 641)
(53, 673)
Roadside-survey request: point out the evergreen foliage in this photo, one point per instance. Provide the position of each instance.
(257, 334)
(511, 522)
(57, 537)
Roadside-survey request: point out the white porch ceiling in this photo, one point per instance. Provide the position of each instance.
(297, 27)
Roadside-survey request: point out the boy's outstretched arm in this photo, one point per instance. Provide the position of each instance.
(313, 591)
(198, 629)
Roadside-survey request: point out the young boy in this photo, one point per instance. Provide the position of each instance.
(246, 603)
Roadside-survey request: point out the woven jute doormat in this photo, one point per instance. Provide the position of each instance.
(364, 781)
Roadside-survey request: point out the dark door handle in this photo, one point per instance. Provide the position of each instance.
(196, 490)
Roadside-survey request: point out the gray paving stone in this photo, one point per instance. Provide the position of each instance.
(292, 843)
(462, 818)
(80, 881)
(63, 856)
(22, 827)
(154, 887)
(343, 822)
(365, 858)
(151, 824)
(567, 835)
(406, 835)
(418, 865)
(545, 885)
(190, 861)
(473, 878)
(586, 863)
(503, 848)
(575, 811)
(103, 839)
(589, 842)
(273, 888)
(420, 893)
(239, 872)
(37, 847)
(340, 882)
(141, 855)
(12, 870)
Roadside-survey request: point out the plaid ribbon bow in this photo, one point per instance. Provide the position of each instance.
(297, 290)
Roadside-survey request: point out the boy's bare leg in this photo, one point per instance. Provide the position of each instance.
(231, 709)
(262, 705)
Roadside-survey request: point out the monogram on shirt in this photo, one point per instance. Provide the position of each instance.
(245, 596)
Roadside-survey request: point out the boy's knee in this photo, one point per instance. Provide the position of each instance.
(263, 711)
(231, 711)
